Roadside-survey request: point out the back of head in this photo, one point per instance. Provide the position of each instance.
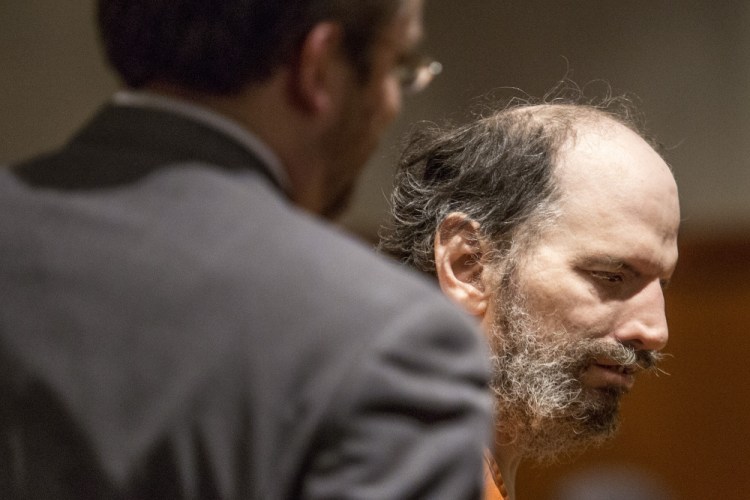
(496, 170)
(219, 47)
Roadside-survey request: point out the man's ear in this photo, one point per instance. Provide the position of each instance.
(317, 75)
(459, 264)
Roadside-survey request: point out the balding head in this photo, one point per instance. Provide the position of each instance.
(497, 171)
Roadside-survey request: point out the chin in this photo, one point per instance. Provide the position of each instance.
(600, 414)
(338, 204)
(590, 421)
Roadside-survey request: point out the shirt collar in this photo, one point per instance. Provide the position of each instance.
(150, 100)
(494, 486)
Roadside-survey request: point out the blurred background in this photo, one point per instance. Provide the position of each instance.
(686, 435)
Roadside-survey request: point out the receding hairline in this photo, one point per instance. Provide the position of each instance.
(573, 120)
(570, 122)
(572, 116)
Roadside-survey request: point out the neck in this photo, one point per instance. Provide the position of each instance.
(508, 458)
(264, 111)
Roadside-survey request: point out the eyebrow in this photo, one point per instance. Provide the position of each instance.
(616, 263)
(606, 261)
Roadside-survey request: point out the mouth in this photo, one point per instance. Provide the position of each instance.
(607, 373)
(620, 369)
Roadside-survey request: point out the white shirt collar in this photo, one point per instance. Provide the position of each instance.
(231, 128)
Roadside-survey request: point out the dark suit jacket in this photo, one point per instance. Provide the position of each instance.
(172, 327)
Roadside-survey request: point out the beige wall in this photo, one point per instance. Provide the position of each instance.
(51, 73)
(686, 60)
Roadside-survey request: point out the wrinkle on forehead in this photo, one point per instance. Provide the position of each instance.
(613, 183)
(610, 160)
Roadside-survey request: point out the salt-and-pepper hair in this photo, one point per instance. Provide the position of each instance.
(497, 170)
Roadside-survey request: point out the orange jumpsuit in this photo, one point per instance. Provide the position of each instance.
(494, 487)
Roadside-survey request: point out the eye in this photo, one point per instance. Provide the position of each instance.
(608, 276)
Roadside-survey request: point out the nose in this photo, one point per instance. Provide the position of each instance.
(645, 326)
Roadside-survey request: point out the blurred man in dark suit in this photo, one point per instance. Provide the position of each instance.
(178, 319)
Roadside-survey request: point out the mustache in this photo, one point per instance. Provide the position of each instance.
(628, 356)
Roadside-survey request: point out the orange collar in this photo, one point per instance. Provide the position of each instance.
(494, 487)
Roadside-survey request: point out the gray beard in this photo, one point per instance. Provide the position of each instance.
(543, 410)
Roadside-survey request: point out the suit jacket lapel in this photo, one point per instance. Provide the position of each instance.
(121, 145)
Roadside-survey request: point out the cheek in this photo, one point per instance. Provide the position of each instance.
(571, 306)
(380, 109)
(589, 318)
(389, 102)
(396, 96)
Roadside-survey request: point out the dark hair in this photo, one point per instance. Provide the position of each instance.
(219, 46)
(498, 170)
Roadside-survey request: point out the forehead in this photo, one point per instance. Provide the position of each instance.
(606, 161)
(618, 196)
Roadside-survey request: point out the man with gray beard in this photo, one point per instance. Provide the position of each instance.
(555, 225)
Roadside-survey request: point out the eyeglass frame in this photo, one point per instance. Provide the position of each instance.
(416, 73)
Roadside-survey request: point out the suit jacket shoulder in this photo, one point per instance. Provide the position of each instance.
(197, 335)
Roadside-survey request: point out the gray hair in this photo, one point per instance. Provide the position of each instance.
(497, 170)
